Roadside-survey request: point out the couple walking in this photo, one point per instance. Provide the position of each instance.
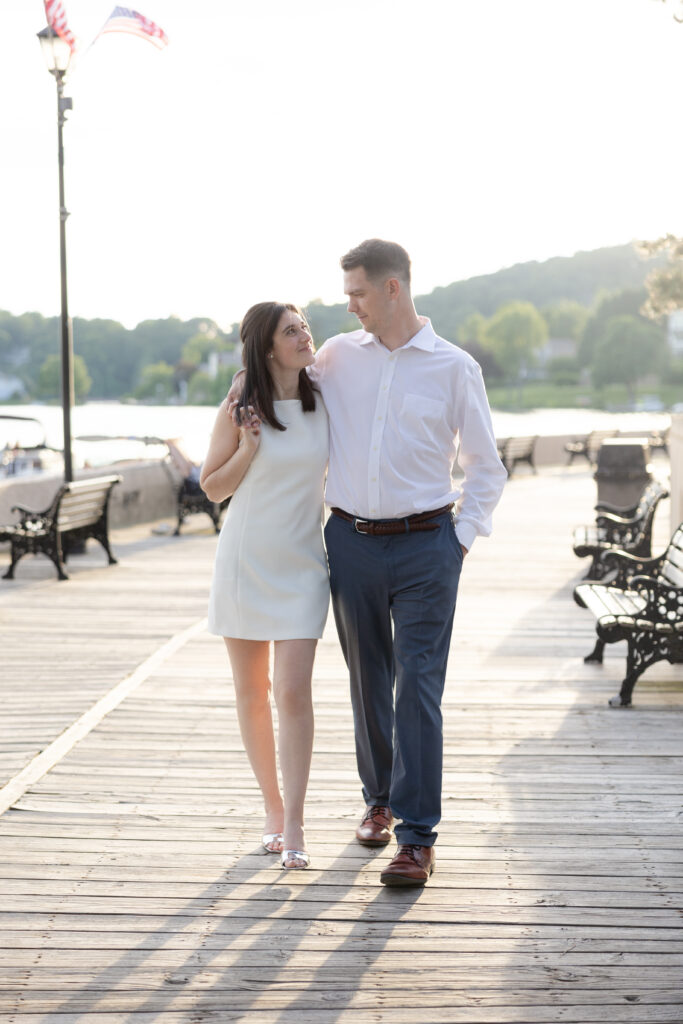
(401, 403)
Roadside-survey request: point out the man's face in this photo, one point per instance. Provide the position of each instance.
(368, 300)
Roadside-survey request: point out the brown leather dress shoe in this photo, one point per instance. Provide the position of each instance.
(375, 826)
(412, 865)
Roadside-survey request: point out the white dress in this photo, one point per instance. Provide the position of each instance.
(270, 577)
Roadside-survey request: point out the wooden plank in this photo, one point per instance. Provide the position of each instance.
(176, 995)
(532, 1014)
(133, 886)
(47, 960)
(456, 911)
(317, 887)
(20, 877)
(441, 940)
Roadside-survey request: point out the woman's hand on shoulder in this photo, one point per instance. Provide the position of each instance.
(250, 429)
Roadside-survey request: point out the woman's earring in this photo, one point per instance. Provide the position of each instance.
(270, 355)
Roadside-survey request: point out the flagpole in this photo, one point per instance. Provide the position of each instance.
(63, 104)
(57, 50)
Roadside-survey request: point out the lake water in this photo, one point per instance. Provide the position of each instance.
(194, 425)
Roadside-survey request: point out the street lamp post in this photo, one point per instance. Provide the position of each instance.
(57, 53)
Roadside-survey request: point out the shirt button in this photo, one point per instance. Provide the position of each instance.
(374, 478)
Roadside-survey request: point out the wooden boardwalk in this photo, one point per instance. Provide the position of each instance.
(132, 884)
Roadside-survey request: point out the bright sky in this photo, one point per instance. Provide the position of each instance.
(272, 135)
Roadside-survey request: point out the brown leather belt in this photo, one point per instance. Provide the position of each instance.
(385, 527)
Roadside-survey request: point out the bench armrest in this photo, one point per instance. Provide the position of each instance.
(608, 519)
(23, 510)
(30, 515)
(627, 566)
(604, 507)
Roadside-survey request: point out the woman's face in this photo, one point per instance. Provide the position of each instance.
(292, 343)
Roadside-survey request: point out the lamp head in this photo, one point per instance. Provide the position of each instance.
(56, 51)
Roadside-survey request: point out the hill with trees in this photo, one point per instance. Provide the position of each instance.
(502, 318)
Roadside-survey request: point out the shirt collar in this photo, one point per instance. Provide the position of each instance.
(424, 339)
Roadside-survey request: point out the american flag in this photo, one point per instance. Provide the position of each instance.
(123, 19)
(56, 19)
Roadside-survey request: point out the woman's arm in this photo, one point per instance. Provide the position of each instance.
(230, 454)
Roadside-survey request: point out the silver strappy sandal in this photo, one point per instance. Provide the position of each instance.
(296, 855)
(272, 842)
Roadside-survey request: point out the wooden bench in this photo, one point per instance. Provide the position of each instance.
(588, 446)
(512, 450)
(642, 605)
(191, 499)
(78, 511)
(628, 530)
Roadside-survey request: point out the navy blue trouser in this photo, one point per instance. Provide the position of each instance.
(410, 581)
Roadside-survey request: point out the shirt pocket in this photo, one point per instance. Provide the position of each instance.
(422, 418)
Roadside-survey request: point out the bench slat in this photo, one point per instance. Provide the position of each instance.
(609, 601)
(670, 573)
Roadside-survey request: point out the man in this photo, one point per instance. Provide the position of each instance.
(400, 401)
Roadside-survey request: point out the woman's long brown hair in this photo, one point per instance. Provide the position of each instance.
(256, 331)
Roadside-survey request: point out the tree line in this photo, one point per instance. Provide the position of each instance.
(504, 319)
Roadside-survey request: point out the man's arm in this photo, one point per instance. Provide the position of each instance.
(485, 474)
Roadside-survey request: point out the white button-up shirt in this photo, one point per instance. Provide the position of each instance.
(397, 422)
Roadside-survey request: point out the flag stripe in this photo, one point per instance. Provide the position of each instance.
(56, 19)
(124, 19)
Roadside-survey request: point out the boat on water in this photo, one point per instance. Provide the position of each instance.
(24, 450)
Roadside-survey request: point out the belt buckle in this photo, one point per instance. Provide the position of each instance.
(356, 521)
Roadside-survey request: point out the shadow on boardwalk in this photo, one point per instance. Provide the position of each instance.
(259, 975)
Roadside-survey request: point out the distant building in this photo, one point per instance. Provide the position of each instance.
(675, 332)
(556, 348)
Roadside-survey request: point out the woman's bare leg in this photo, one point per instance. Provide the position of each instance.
(293, 669)
(249, 660)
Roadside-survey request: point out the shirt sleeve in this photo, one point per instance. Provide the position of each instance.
(316, 371)
(484, 473)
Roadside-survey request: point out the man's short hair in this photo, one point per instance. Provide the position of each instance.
(379, 259)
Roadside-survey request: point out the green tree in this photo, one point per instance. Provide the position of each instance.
(470, 335)
(50, 378)
(565, 319)
(664, 284)
(157, 381)
(514, 334)
(200, 389)
(471, 330)
(223, 380)
(629, 350)
(112, 356)
(326, 321)
(6, 346)
(199, 347)
(564, 370)
(626, 302)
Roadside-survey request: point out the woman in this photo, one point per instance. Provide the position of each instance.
(270, 578)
